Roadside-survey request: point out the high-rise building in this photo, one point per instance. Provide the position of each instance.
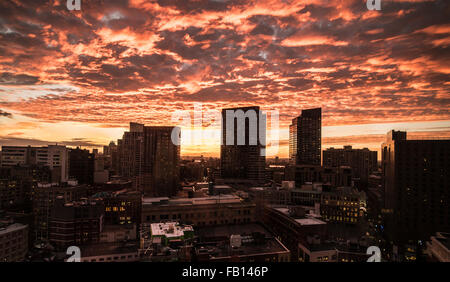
(53, 156)
(149, 157)
(242, 152)
(81, 165)
(362, 161)
(305, 138)
(416, 180)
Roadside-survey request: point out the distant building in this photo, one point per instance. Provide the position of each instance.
(334, 176)
(242, 151)
(147, 156)
(305, 138)
(362, 161)
(53, 156)
(81, 165)
(416, 177)
(13, 242)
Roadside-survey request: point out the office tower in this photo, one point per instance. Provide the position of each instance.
(305, 138)
(81, 165)
(416, 180)
(150, 159)
(53, 156)
(242, 152)
(362, 161)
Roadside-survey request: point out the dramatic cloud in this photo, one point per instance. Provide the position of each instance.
(5, 114)
(126, 60)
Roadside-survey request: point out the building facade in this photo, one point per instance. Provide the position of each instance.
(242, 151)
(53, 156)
(81, 165)
(362, 161)
(205, 211)
(305, 138)
(75, 223)
(13, 242)
(148, 156)
(416, 182)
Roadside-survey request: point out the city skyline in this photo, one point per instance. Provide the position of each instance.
(79, 77)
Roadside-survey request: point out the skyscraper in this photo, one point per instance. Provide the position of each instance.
(150, 159)
(416, 179)
(242, 152)
(81, 165)
(362, 161)
(305, 138)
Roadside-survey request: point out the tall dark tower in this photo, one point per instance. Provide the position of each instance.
(150, 158)
(242, 152)
(416, 180)
(305, 138)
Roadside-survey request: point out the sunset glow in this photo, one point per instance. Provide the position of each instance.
(79, 77)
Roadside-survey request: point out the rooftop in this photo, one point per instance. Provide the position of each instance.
(169, 229)
(11, 228)
(256, 240)
(310, 221)
(216, 199)
(103, 249)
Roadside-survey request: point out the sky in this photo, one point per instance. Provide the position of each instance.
(79, 77)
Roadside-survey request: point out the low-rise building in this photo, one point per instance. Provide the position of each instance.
(118, 233)
(13, 241)
(203, 211)
(239, 243)
(110, 252)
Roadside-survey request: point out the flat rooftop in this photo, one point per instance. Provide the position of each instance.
(104, 249)
(169, 229)
(216, 199)
(310, 221)
(215, 241)
(11, 228)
